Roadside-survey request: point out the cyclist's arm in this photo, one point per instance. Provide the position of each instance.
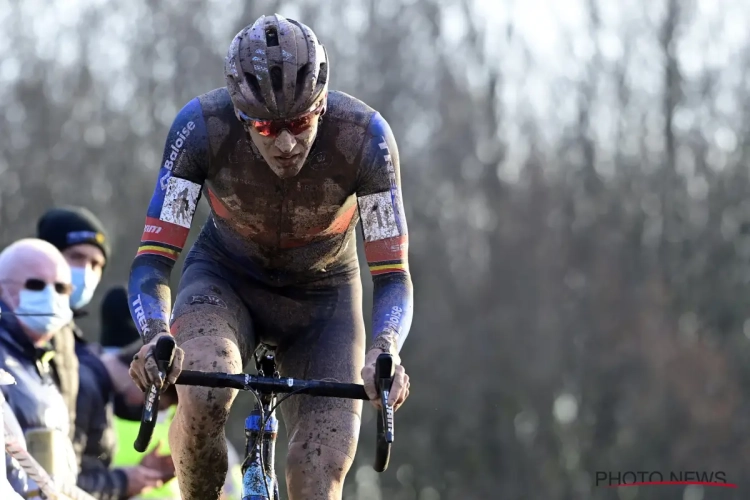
(385, 233)
(168, 220)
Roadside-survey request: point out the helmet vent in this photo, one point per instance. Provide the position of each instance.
(301, 76)
(272, 37)
(277, 78)
(252, 82)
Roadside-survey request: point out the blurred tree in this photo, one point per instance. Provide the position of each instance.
(575, 180)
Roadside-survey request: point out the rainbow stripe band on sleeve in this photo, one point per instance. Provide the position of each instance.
(387, 255)
(386, 267)
(153, 248)
(162, 238)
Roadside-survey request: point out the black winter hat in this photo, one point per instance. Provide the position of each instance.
(118, 327)
(65, 227)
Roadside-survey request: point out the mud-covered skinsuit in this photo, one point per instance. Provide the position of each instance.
(279, 231)
(276, 260)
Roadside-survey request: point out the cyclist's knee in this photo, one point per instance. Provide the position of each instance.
(316, 463)
(325, 442)
(207, 406)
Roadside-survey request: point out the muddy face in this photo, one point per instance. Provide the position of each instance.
(286, 152)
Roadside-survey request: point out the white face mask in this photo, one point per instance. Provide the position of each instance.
(85, 282)
(43, 311)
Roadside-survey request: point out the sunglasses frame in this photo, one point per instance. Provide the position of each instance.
(277, 126)
(37, 285)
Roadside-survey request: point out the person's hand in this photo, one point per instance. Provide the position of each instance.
(400, 387)
(163, 464)
(141, 480)
(143, 369)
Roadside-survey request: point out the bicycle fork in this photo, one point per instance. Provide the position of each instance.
(260, 443)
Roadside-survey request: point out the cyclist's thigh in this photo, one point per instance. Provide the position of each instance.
(210, 322)
(331, 347)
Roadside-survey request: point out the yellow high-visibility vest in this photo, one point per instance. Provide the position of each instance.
(126, 456)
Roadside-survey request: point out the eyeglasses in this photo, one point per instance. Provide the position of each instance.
(272, 128)
(37, 285)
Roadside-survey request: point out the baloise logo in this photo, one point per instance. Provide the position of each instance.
(176, 146)
(394, 318)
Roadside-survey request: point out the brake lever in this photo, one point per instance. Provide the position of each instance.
(163, 355)
(384, 372)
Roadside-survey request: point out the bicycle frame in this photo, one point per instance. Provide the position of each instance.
(258, 474)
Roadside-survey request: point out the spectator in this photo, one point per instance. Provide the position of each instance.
(80, 237)
(35, 288)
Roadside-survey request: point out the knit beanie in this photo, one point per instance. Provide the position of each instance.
(65, 227)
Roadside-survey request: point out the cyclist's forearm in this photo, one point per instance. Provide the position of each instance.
(393, 299)
(149, 295)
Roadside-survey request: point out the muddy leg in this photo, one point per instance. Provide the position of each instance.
(323, 432)
(196, 436)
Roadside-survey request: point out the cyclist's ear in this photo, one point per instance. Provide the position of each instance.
(325, 106)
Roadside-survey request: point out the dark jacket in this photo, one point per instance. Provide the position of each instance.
(15, 474)
(35, 399)
(95, 438)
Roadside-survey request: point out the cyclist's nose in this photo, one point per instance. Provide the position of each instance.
(285, 141)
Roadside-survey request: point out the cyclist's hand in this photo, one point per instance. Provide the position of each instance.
(400, 387)
(142, 479)
(144, 371)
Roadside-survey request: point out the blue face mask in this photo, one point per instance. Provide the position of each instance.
(85, 282)
(44, 311)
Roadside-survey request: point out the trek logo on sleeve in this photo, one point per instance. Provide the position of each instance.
(176, 146)
(392, 180)
(151, 229)
(140, 315)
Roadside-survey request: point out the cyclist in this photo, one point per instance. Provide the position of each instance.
(288, 168)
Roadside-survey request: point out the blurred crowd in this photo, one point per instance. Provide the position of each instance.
(71, 404)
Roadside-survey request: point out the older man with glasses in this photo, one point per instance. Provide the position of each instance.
(35, 289)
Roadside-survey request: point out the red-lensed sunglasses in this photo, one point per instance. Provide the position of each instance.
(272, 128)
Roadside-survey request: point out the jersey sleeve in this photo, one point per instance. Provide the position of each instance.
(168, 219)
(385, 234)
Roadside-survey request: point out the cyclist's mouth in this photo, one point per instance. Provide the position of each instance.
(287, 161)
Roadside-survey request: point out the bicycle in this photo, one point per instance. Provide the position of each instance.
(259, 477)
